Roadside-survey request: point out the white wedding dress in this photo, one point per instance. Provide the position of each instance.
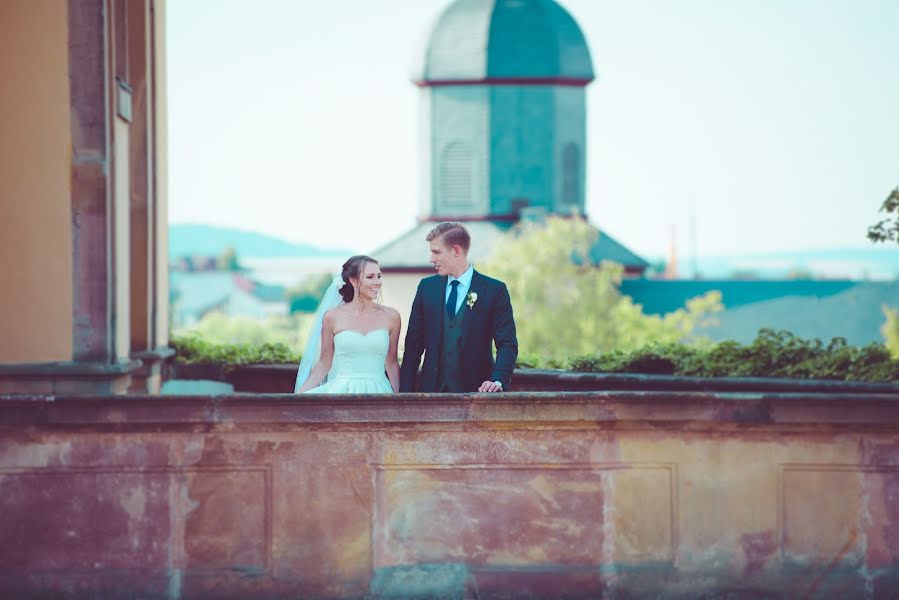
(359, 364)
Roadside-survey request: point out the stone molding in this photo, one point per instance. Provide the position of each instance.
(586, 410)
(280, 379)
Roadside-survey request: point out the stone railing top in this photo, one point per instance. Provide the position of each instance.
(279, 378)
(577, 380)
(589, 410)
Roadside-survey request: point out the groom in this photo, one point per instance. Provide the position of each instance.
(456, 316)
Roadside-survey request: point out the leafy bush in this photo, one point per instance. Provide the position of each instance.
(306, 296)
(771, 354)
(218, 328)
(890, 330)
(655, 359)
(887, 230)
(534, 361)
(565, 305)
(193, 349)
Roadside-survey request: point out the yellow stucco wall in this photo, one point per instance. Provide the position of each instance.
(35, 204)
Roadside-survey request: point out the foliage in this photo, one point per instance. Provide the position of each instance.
(887, 229)
(305, 296)
(192, 349)
(228, 261)
(566, 306)
(890, 330)
(218, 329)
(240, 341)
(771, 354)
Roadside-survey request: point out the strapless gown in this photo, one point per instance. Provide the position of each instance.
(358, 365)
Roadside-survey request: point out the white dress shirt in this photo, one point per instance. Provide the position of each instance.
(462, 290)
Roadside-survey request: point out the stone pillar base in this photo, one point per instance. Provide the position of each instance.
(67, 378)
(147, 379)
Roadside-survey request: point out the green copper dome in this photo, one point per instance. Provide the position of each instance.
(502, 40)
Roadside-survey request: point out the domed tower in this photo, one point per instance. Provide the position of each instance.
(503, 116)
(503, 131)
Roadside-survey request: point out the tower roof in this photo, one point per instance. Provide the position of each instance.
(505, 41)
(409, 252)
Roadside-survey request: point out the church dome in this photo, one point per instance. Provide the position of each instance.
(504, 41)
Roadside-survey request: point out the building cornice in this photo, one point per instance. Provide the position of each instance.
(520, 81)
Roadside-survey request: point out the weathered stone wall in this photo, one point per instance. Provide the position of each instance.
(621, 495)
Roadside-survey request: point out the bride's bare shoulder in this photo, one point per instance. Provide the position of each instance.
(333, 314)
(341, 309)
(393, 315)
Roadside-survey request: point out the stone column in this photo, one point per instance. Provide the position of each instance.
(160, 175)
(100, 190)
(147, 221)
(141, 159)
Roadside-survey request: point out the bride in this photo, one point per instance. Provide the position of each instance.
(353, 343)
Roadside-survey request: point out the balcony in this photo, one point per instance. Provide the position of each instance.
(527, 494)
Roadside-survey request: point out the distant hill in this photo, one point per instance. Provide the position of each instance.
(881, 262)
(196, 239)
(855, 314)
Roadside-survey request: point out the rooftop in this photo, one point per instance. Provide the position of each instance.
(477, 40)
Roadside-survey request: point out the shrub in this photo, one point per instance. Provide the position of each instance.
(192, 349)
(890, 330)
(771, 354)
(565, 305)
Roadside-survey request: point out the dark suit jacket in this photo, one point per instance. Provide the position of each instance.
(489, 320)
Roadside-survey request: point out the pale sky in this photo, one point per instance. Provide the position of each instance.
(775, 123)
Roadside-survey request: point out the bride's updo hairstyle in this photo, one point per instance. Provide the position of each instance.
(352, 269)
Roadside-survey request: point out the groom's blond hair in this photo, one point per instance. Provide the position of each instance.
(452, 234)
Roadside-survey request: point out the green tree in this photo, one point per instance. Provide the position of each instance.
(565, 306)
(890, 330)
(887, 229)
(228, 261)
(306, 295)
(217, 328)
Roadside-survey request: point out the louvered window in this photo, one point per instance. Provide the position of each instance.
(456, 173)
(571, 167)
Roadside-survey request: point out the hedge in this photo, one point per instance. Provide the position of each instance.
(771, 354)
(192, 349)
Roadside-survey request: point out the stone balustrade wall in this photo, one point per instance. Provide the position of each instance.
(541, 495)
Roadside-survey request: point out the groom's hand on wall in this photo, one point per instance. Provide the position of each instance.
(491, 386)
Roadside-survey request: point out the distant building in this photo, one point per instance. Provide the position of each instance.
(194, 264)
(808, 308)
(198, 294)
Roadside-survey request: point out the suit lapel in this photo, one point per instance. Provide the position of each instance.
(476, 287)
(437, 300)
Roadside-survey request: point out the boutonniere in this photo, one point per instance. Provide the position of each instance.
(470, 299)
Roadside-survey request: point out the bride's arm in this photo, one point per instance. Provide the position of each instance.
(392, 365)
(323, 366)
